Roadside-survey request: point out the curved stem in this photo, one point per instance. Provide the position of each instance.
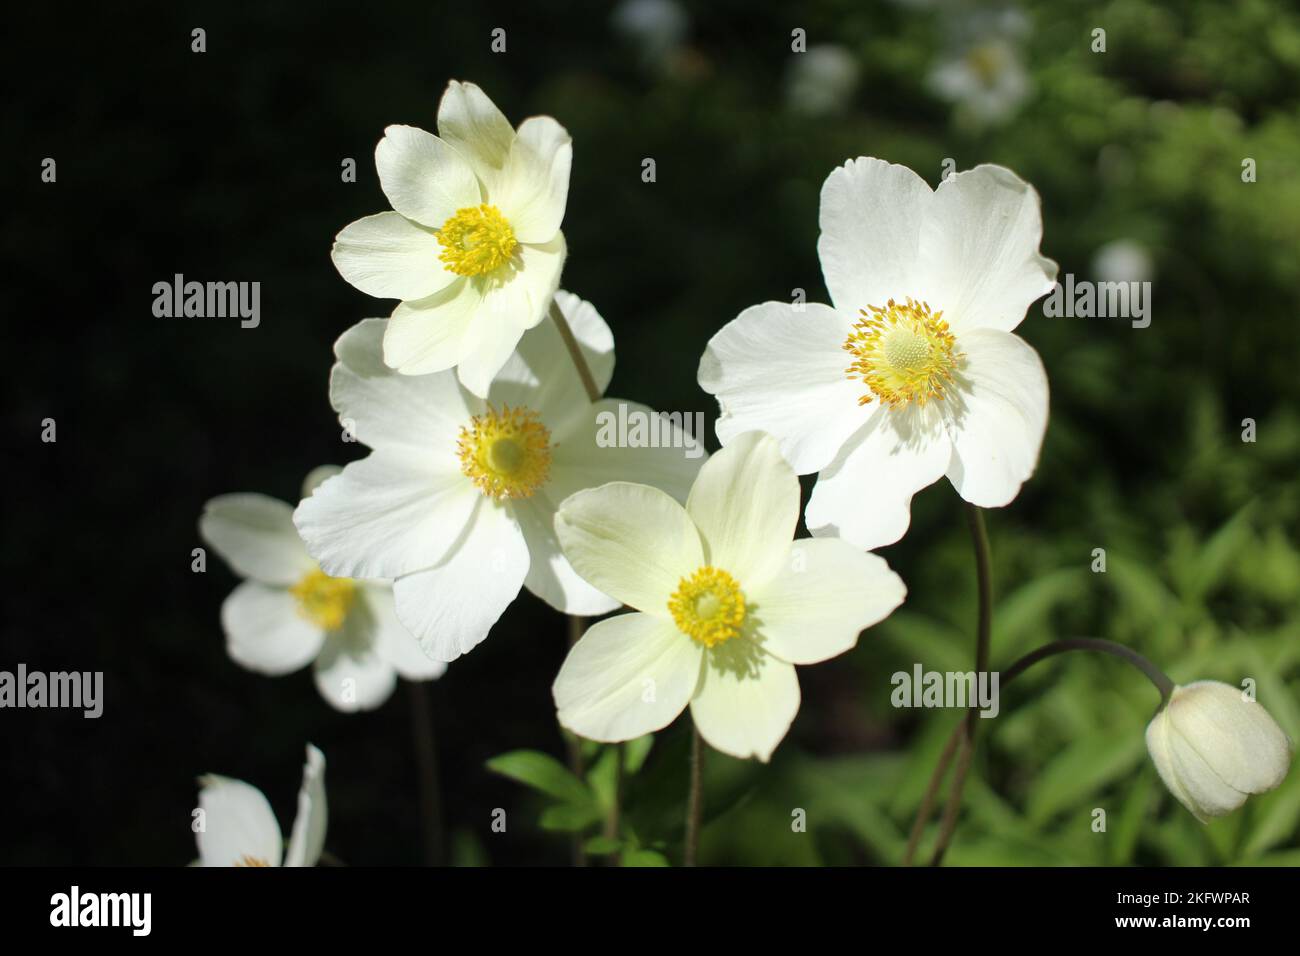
(575, 352)
(1152, 673)
(931, 791)
(983, 638)
(694, 799)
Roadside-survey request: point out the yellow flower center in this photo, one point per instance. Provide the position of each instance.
(904, 353)
(476, 240)
(708, 606)
(507, 454)
(247, 860)
(323, 600)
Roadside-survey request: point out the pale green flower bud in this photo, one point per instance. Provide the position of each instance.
(1214, 746)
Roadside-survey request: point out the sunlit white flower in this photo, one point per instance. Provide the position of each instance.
(289, 613)
(1214, 746)
(456, 499)
(473, 247)
(726, 603)
(914, 373)
(237, 826)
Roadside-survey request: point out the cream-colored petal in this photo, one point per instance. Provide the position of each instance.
(747, 700)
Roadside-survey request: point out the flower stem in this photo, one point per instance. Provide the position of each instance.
(577, 766)
(575, 352)
(1149, 670)
(426, 762)
(983, 636)
(694, 799)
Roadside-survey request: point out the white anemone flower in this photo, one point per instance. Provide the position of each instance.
(914, 373)
(473, 247)
(238, 827)
(1214, 746)
(289, 613)
(456, 499)
(726, 603)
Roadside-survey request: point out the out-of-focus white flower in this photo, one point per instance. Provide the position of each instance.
(473, 248)
(657, 27)
(726, 603)
(914, 373)
(822, 81)
(239, 828)
(289, 613)
(1123, 260)
(1213, 747)
(456, 499)
(981, 71)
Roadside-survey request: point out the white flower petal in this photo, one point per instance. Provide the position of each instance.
(587, 453)
(451, 607)
(781, 371)
(979, 250)
(488, 344)
(628, 676)
(633, 542)
(423, 177)
(829, 593)
(265, 632)
(1248, 749)
(428, 335)
(382, 517)
(390, 257)
(471, 122)
(996, 416)
(747, 700)
(872, 213)
(317, 477)
(393, 642)
(541, 375)
(417, 417)
(550, 575)
(533, 188)
(256, 537)
(351, 675)
(745, 504)
(307, 839)
(865, 494)
(239, 827)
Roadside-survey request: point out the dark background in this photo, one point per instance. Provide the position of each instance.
(225, 166)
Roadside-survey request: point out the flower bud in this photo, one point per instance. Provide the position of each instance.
(1214, 747)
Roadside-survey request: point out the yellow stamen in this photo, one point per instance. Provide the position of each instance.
(709, 606)
(476, 241)
(903, 353)
(251, 861)
(323, 600)
(507, 454)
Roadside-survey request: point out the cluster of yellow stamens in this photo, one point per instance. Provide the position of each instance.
(323, 600)
(476, 240)
(507, 454)
(708, 606)
(247, 860)
(904, 353)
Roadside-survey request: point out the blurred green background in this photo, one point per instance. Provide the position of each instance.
(226, 165)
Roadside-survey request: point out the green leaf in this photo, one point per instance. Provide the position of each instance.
(643, 858)
(1081, 770)
(636, 752)
(570, 817)
(544, 773)
(602, 846)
